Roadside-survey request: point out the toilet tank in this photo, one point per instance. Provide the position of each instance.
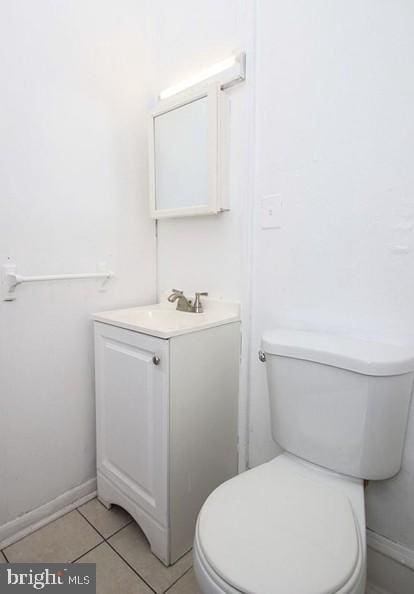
(339, 402)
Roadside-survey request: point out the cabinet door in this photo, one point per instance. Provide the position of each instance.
(132, 415)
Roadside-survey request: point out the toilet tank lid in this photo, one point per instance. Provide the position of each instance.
(362, 356)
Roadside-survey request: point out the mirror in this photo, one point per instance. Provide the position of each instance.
(186, 155)
(181, 156)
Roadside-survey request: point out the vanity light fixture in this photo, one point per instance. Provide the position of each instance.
(232, 71)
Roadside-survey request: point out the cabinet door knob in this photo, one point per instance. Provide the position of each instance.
(156, 360)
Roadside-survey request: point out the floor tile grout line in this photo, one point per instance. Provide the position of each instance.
(182, 557)
(130, 566)
(90, 524)
(178, 579)
(121, 557)
(137, 572)
(100, 534)
(104, 540)
(87, 552)
(119, 530)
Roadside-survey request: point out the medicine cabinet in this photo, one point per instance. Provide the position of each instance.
(188, 154)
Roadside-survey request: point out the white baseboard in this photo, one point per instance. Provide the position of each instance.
(390, 565)
(36, 518)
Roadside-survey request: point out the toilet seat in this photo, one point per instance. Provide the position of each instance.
(281, 527)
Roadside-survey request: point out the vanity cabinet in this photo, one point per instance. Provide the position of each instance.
(166, 426)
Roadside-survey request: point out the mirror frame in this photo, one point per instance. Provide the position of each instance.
(218, 112)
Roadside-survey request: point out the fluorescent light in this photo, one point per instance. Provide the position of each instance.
(227, 64)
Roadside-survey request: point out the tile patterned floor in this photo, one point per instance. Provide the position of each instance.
(112, 540)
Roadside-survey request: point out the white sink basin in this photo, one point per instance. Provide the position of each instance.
(164, 321)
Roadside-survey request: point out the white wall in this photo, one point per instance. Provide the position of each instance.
(206, 253)
(335, 138)
(72, 192)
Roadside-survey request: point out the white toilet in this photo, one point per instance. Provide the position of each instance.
(296, 525)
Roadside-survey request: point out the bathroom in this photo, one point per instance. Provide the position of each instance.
(318, 236)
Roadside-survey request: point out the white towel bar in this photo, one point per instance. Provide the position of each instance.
(11, 280)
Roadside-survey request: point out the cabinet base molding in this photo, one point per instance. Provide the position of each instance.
(39, 517)
(157, 535)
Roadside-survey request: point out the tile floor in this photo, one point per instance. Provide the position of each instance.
(112, 540)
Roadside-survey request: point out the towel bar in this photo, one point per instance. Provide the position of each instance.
(11, 280)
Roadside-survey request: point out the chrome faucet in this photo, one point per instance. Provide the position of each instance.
(184, 304)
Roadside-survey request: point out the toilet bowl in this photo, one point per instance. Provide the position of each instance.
(285, 527)
(296, 525)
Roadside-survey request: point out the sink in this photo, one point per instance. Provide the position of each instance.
(164, 321)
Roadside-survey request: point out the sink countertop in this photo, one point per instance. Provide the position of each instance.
(164, 321)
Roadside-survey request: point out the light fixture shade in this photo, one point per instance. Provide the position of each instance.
(234, 68)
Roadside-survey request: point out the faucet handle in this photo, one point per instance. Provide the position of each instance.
(177, 291)
(198, 306)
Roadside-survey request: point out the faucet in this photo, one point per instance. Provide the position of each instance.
(184, 304)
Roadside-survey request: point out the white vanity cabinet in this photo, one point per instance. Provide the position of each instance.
(166, 425)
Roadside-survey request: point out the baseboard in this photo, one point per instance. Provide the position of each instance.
(372, 589)
(36, 518)
(390, 565)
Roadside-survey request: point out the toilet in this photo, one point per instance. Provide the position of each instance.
(296, 525)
